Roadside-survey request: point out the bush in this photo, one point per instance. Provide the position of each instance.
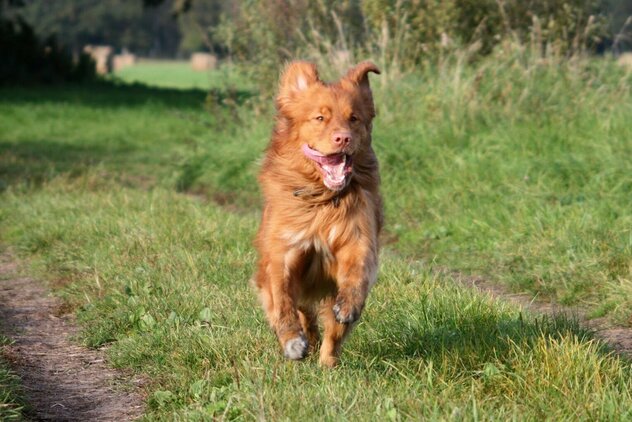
(402, 34)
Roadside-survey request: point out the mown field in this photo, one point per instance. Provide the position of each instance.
(178, 74)
(138, 204)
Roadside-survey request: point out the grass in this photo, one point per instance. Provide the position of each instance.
(164, 279)
(11, 401)
(179, 74)
(518, 175)
(516, 171)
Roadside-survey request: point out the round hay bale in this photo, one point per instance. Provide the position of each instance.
(102, 56)
(121, 61)
(203, 61)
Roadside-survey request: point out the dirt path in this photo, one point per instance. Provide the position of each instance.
(619, 338)
(62, 381)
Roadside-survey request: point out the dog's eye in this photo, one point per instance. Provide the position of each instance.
(353, 118)
(320, 118)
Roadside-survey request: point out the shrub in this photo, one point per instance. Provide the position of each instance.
(399, 34)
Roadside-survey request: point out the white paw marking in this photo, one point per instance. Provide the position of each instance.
(296, 348)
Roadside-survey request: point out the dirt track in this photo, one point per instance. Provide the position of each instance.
(62, 381)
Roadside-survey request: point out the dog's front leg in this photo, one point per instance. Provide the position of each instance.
(284, 274)
(357, 271)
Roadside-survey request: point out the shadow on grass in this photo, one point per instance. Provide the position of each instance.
(471, 342)
(106, 94)
(33, 162)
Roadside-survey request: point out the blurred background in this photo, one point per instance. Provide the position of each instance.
(46, 40)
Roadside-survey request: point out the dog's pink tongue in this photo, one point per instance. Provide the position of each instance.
(335, 167)
(332, 160)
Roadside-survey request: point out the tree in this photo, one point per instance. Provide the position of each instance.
(120, 23)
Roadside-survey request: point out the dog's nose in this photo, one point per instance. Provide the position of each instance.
(341, 138)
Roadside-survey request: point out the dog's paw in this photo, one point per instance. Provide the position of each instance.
(296, 348)
(328, 361)
(345, 313)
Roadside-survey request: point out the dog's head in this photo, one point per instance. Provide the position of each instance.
(330, 123)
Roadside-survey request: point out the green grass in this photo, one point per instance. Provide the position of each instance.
(519, 175)
(11, 401)
(178, 74)
(516, 171)
(163, 278)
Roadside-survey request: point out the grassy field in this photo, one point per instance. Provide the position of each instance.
(178, 74)
(138, 203)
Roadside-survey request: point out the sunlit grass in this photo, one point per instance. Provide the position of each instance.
(165, 278)
(179, 74)
(507, 168)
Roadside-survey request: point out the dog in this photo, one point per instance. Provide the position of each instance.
(318, 239)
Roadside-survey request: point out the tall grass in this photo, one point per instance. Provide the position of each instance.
(513, 168)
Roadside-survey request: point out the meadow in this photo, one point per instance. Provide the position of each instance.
(137, 203)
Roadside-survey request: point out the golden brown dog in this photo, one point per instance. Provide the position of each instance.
(318, 240)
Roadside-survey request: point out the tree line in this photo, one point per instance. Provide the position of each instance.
(248, 28)
(269, 32)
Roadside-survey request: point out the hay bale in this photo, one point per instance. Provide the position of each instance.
(625, 60)
(203, 61)
(102, 56)
(121, 61)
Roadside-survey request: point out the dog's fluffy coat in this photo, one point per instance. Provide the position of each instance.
(318, 239)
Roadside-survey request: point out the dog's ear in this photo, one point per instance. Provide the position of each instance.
(359, 75)
(357, 79)
(297, 77)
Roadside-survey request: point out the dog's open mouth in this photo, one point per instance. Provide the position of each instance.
(336, 168)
